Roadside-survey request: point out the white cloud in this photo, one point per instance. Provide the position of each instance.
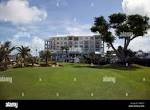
(19, 11)
(33, 42)
(136, 7)
(69, 27)
(76, 28)
(141, 7)
(140, 43)
(79, 30)
(37, 43)
(22, 35)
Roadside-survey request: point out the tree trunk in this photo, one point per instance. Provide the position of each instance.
(23, 62)
(32, 62)
(46, 60)
(121, 56)
(127, 42)
(62, 55)
(5, 64)
(66, 55)
(103, 47)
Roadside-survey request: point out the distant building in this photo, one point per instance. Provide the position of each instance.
(142, 55)
(76, 44)
(82, 44)
(12, 58)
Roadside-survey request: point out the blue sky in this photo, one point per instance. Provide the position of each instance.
(59, 12)
(29, 22)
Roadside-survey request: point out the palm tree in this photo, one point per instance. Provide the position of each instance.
(32, 60)
(62, 49)
(24, 52)
(66, 48)
(5, 50)
(92, 57)
(45, 55)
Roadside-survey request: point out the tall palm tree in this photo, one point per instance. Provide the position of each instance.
(24, 52)
(5, 50)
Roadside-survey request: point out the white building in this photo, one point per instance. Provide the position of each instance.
(81, 44)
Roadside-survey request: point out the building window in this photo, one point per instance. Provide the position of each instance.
(65, 43)
(81, 42)
(92, 46)
(75, 42)
(91, 49)
(76, 38)
(97, 42)
(76, 46)
(86, 46)
(85, 42)
(81, 46)
(97, 49)
(70, 38)
(86, 50)
(70, 42)
(92, 38)
(65, 38)
(80, 38)
(87, 38)
(97, 46)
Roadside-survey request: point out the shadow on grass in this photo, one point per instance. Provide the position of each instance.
(117, 67)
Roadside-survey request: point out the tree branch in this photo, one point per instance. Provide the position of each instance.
(125, 42)
(128, 40)
(117, 53)
(133, 37)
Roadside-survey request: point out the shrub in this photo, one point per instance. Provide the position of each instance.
(143, 62)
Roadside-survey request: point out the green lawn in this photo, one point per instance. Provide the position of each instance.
(59, 82)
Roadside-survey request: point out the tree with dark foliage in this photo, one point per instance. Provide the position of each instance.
(5, 50)
(134, 25)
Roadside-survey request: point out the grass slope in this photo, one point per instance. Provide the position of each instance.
(60, 81)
